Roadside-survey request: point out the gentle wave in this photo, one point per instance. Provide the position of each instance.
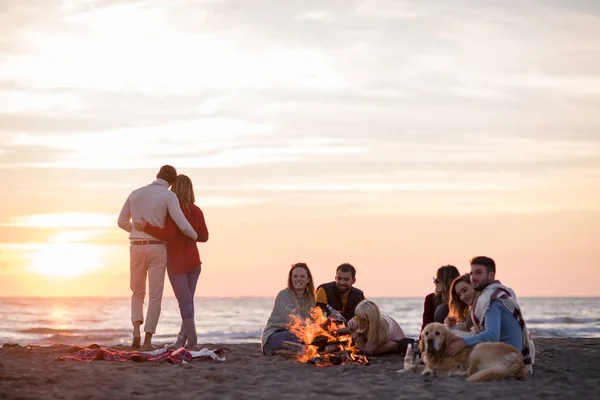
(44, 330)
(241, 320)
(563, 320)
(564, 333)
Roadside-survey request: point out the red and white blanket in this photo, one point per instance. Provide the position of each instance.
(174, 356)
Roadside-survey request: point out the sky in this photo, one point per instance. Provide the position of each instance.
(398, 136)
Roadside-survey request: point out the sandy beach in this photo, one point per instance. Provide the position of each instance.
(565, 368)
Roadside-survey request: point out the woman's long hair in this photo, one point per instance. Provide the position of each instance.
(378, 331)
(184, 190)
(458, 309)
(308, 297)
(445, 276)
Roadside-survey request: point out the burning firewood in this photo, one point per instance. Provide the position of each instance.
(342, 331)
(325, 342)
(328, 359)
(286, 353)
(320, 341)
(298, 348)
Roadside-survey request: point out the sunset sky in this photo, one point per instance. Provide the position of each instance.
(398, 136)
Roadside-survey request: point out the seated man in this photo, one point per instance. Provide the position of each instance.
(497, 316)
(340, 294)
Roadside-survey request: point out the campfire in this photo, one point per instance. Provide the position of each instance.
(324, 342)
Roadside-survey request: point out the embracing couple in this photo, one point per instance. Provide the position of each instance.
(484, 310)
(164, 226)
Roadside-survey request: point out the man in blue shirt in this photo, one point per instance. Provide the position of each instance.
(497, 320)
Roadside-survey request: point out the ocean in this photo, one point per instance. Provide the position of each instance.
(106, 321)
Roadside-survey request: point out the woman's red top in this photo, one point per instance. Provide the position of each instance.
(182, 252)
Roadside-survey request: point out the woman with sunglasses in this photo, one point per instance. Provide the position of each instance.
(377, 333)
(435, 308)
(297, 299)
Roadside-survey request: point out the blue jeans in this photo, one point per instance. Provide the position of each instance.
(275, 341)
(184, 287)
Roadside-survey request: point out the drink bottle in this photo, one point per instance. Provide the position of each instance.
(416, 352)
(335, 315)
(408, 358)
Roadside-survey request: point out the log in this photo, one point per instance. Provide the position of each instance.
(328, 359)
(343, 331)
(298, 348)
(285, 353)
(332, 347)
(320, 341)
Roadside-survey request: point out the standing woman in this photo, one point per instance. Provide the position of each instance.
(183, 258)
(435, 308)
(297, 299)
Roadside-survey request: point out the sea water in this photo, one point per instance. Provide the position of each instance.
(106, 321)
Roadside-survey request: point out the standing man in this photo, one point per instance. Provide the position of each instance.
(340, 294)
(496, 316)
(147, 255)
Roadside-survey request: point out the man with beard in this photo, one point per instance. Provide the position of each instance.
(496, 316)
(340, 294)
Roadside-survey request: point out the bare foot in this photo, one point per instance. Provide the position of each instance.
(136, 342)
(137, 337)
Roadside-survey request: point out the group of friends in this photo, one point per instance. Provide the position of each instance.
(374, 332)
(474, 306)
(165, 225)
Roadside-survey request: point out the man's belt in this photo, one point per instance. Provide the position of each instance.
(145, 242)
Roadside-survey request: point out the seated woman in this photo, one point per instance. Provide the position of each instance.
(462, 297)
(297, 299)
(435, 308)
(376, 333)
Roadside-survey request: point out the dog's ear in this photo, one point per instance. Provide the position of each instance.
(421, 346)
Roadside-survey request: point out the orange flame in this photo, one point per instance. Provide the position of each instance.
(319, 326)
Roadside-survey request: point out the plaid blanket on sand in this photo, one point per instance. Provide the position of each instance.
(177, 356)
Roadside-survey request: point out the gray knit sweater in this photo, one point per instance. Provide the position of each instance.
(280, 316)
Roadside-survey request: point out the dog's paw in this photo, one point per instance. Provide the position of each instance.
(428, 372)
(408, 368)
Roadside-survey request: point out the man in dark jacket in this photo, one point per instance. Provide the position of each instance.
(340, 294)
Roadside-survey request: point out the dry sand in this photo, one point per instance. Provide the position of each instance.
(565, 369)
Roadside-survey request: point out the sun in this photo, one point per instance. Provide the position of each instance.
(65, 260)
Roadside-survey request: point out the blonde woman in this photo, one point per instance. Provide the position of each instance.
(183, 258)
(297, 299)
(377, 333)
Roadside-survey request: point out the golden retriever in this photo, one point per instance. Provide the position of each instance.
(485, 361)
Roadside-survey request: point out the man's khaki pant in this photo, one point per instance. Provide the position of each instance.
(150, 260)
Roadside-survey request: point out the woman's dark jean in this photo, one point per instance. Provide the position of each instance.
(275, 341)
(184, 287)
